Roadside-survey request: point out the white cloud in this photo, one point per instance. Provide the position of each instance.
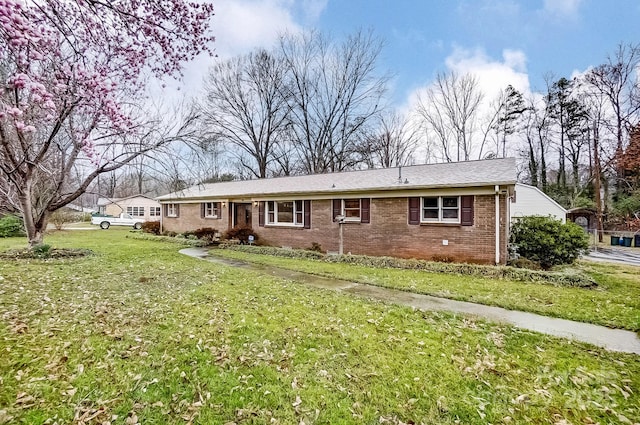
(242, 25)
(493, 75)
(313, 8)
(562, 7)
(239, 27)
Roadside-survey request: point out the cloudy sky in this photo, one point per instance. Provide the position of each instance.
(501, 41)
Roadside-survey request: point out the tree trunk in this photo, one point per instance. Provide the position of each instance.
(596, 183)
(533, 166)
(543, 168)
(34, 226)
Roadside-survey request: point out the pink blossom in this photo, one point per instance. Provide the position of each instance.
(89, 60)
(15, 112)
(19, 81)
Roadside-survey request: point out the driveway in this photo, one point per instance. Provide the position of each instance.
(629, 256)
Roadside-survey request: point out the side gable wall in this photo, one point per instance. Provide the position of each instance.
(120, 206)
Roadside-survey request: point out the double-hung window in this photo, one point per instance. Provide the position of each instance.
(135, 211)
(211, 209)
(172, 210)
(441, 209)
(154, 211)
(354, 210)
(285, 212)
(351, 209)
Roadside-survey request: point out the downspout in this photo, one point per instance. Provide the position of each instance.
(497, 195)
(508, 226)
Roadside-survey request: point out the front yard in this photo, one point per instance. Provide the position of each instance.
(615, 302)
(139, 333)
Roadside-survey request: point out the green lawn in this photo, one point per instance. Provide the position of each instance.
(614, 303)
(140, 333)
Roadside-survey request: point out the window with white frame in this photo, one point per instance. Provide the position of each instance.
(351, 209)
(211, 209)
(172, 210)
(154, 211)
(135, 211)
(285, 212)
(441, 209)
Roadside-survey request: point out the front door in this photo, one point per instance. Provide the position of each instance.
(241, 215)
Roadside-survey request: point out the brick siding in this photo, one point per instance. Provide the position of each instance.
(190, 219)
(388, 232)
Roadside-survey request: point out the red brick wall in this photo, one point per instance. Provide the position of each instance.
(388, 233)
(190, 219)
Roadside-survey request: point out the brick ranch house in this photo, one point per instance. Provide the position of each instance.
(451, 211)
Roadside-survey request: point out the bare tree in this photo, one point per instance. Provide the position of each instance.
(449, 109)
(538, 136)
(333, 93)
(391, 143)
(246, 106)
(595, 105)
(617, 80)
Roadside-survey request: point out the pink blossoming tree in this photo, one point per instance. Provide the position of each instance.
(70, 74)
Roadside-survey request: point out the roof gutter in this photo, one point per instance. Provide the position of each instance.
(328, 194)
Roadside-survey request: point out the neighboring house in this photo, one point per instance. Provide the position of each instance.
(529, 200)
(77, 209)
(137, 206)
(587, 218)
(451, 211)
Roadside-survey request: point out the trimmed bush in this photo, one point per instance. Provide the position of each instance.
(315, 246)
(524, 263)
(276, 252)
(182, 241)
(208, 234)
(241, 233)
(152, 227)
(547, 241)
(10, 226)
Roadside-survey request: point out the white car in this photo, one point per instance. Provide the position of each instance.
(122, 220)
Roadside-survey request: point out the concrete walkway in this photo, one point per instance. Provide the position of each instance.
(628, 256)
(611, 339)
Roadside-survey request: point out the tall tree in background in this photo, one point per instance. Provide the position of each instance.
(569, 113)
(449, 109)
(595, 107)
(557, 99)
(70, 68)
(617, 80)
(539, 129)
(246, 106)
(510, 115)
(333, 93)
(391, 143)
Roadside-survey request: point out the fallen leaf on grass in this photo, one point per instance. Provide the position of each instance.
(132, 419)
(24, 400)
(521, 399)
(298, 402)
(5, 418)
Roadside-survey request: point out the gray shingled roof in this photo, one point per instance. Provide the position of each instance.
(430, 176)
